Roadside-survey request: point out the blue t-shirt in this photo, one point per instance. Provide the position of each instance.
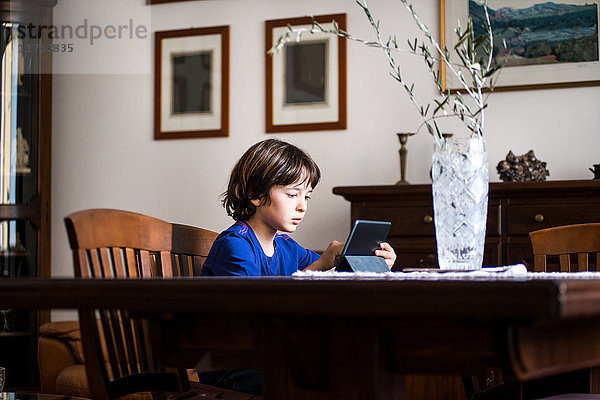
(236, 251)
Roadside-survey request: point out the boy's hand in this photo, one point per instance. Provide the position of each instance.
(388, 253)
(329, 257)
(332, 253)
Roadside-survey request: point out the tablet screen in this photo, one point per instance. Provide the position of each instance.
(365, 238)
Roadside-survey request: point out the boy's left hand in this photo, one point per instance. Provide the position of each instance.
(388, 253)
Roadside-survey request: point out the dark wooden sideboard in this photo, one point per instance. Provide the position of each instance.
(514, 210)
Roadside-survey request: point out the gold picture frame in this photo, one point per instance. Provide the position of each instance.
(520, 77)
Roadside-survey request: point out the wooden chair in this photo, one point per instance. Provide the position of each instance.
(553, 250)
(562, 242)
(121, 244)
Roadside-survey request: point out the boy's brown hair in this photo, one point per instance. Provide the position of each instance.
(269, 163)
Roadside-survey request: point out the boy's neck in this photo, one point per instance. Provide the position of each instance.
(265, 235)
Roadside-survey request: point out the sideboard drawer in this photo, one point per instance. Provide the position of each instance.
(406, 221)
(414, 252)
(523, 219)
(418, 221)
(422, 252)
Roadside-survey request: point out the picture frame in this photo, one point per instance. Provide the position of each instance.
(306, 81)
(547, 73)
(191, 83)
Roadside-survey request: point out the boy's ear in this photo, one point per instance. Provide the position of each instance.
(256, 202)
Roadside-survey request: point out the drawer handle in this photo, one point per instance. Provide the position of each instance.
(539, 218)
(428, 219)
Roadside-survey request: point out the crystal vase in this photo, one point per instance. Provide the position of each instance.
(460, 201)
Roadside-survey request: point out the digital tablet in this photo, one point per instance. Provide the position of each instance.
(363, 240)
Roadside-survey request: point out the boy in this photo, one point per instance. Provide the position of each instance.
(268, 191)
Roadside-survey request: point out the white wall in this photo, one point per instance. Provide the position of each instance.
(104, 154)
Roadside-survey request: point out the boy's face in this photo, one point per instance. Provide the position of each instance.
(286, 207)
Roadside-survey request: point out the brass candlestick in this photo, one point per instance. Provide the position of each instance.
(403, 138)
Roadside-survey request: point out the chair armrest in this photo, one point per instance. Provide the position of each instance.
(68, 332)
(54, 355)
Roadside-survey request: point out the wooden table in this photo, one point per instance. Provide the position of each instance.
(349, 339)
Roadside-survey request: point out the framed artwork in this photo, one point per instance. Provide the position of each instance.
(191, 79)
(306, 80)
(541, 44)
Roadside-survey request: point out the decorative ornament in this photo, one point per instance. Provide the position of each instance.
(523, 168)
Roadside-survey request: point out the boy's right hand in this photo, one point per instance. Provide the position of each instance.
(329, 257)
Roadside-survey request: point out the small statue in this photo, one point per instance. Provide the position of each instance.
(22, 164)
(523, 168)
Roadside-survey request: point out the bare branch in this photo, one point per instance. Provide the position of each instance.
(475, 71)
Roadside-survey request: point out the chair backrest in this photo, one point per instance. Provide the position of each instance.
(121, 244)
(114, 243)
(190, 248)
(562, 242)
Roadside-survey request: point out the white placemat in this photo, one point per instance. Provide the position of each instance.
(516, 272)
